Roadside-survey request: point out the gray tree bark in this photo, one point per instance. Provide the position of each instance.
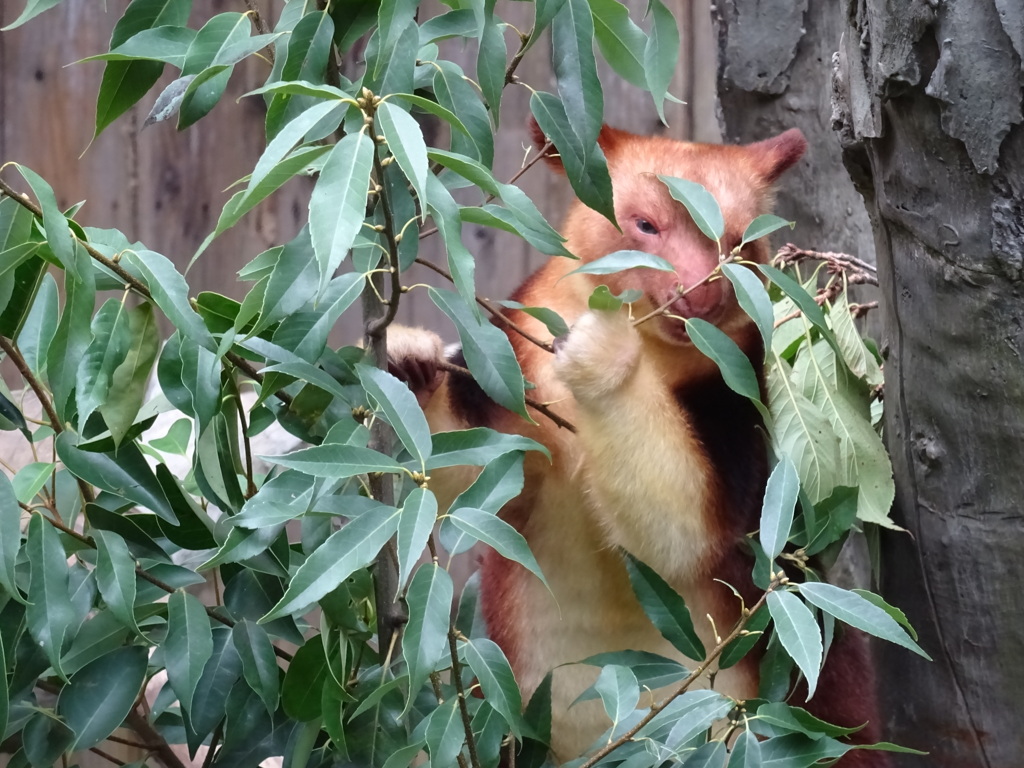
(929, 109)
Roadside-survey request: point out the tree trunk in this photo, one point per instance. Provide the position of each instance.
(929, 106)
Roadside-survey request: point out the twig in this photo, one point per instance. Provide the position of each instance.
(681, 293)
(495, 313)
(106, 756)
(856, 270)
(458, 369)
(260, 22)
(159, 746)
(15, 356)
(685, 685)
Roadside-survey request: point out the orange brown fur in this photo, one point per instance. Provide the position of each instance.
(667, 464)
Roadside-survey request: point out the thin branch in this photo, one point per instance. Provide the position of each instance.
(381, 323)
(856, 270)
(130, 743)
(261, 24)
(536, 405)
(159, 746)
(510, 71)
(681, 293)
(107, 756)
(689, 681)
(497, 314)
(44, 400)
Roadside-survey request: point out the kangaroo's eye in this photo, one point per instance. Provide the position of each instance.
(646, 227)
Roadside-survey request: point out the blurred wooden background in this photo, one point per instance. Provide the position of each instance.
(167, 189)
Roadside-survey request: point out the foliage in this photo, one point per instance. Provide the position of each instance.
(296, 653)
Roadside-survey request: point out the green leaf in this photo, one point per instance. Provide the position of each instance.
(32, 9)
(416, 521)
(898, 616)
(661, 54)
(10, 537)
(188, 646)
(572, 45)
(476, 447)
(799, 634)
(802, 433)
(457, 23)
(619, 691)
(800, 297)
(280, 499)
(490, 62)
(797, 751)
(701, 204)
(710, 755)
(39, 327)
(354, 546)
(215, 41)
(101, 695)
(404, 139)
(444, 733)
(58, 233)
(500, 482)
(855, 353)
(650, 670)
(170, 292)
(304, 682)
(425, 636)
(796, 720)
(125, 82)
(393, 18)
(202, 94)
(30, 479)
(584, 163)
(552, 320)
(851, 608)
(763, 225)
(45, 739)
(621, 41)
(665, 608)
(306, 58)
(219, 675)
(130, 379)
(735, 366)
(398, 404)
(115, 577)
(70, 340)
(602, 299)
(497, 534)
(335, 461)
(125, 474)
(259, 665)
(779, 505)
(746, 752)
(489, 354)
(5, 702)
(753, 298)
(107, 350)
(461, 264)
(177, 440)
(338, 203)
(499, 686)
(620, 261)
(167, 43)
(51, 617)
(455, 94)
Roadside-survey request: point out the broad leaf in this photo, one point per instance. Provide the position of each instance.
(188, 645)
(665, 608)
(101, 695)
(701, 205)
(495, 676)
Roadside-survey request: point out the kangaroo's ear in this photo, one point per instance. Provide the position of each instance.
(772, 157)
(607, 140)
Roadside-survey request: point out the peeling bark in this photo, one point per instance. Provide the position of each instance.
(928, 98)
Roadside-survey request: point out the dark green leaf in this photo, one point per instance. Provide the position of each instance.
(168, 44)
(336, 461)
(10, 537)
(661, 54)
(202, 94)
(572, 46)
(651, 670)
(188, 646)
(101, 695)
(799, 634)
(490, 62)
(219, 675)
(259, 665)
(39, 327)
(665, 608)
(70, 340)
(108, 349)
(405, 141)
(489, 354)
(58, 233)
(710, 755)
(304, 682)
(51, 616)
(734, 365)
(621, 41)
(552, 320)
(115, 577)
(444, 733)
(796, 720)
(130, 379)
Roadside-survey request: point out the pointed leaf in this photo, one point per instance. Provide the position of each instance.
(753, 298)
(398, 404)
(499, 535)
(188, 645)
(354, 546)
(10, 537)
(619, 691)
(661, 54)
(476, 447)
(418, 515)
(40, 326)
(665, 608)
(499, 685)
(572, 45)
(115, 577)
(746, 752)
(259, 665)
(107, 350)
(101, 695)
(51, 617)
(763, 225)
(622, 260)
(735, 366)
(404, 139)
(335, 461)
(701, 204)
(851, 608)
(779, 505)
(338, 203)
(799, 634)
(425, 636)
(621, 41)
